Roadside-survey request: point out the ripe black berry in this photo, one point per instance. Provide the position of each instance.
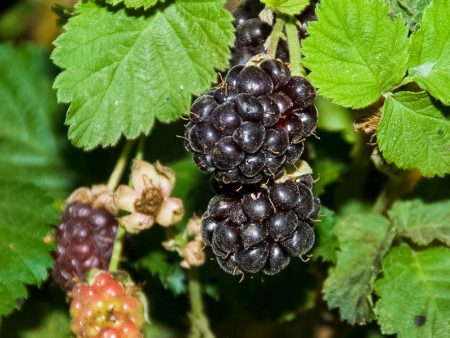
(85, 239)
(274, 224)
(251, 32)
(246, 129)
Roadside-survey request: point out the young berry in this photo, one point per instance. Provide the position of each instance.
(85, 239)
(107, 307)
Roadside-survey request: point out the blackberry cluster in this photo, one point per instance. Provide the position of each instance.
(85, 240)
(260, 230)
(246, 129)
(252, 32)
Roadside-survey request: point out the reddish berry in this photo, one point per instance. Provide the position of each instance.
(106, 308)
(85, 239)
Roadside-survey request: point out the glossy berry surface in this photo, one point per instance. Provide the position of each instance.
(252, 32)
(246, 130)
(260, 229)
(106, 308)
(85, 239)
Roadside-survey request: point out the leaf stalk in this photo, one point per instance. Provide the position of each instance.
(295, 55)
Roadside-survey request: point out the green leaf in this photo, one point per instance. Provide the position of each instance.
(409, 10)
(429, 65)
(355, 51)
(121, 71)
(171, 275)
(327, 243)
(414, 134)
(29, 144)
(329, 171)
(422, 223)
(363, 241)
(25, 216)
(289, 7)
(415, 293)
(135, 3)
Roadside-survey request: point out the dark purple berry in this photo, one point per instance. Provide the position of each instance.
(208, 227)
(277, 71)
(249, 107)
(230, 265)
(225, 238)
(225, 118)
(285, 195)
(294, 151)
(259, 230)
(231, 77)
(300, 91)
(309, 118)
(222, 95)
(273, 164)
(220, 207)
(314, 215)
(282, 224)
(252, 31)
(276, 141)
(85, 240)
(252, 234)
(271, 111)
(300, 242)
(253, 164)
(202, 108)
(256, 206)
(306, 180)
(253, 80)
(204, 162)
(250, 136)
(305, 203)
(202, 137)
(226, 154)
(252, 260)
(294, 127)
(283, 102)
(228, 176)
(243, 132)
(277, 260)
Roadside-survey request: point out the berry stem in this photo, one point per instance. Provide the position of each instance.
(120, 166)
(295, 55)
(199, 321)
(274, 37)
(121, 163)
(117, 250)
(140, 149)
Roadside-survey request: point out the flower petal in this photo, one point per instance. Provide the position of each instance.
(166, 179)
(136, 222)
(144, 175)
(171, 212)
(125, 198)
